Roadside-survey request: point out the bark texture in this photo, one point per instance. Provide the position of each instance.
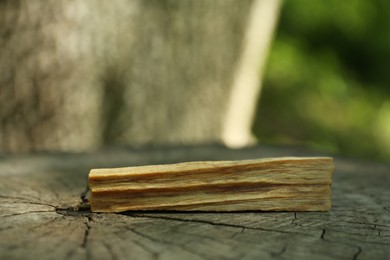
(75, 75)
(38, 221)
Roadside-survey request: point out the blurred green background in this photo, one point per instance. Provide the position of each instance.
(326, 81)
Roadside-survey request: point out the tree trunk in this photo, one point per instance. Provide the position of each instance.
(76, 75)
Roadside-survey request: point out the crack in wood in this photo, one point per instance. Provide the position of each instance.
(323, 234)
(26, 201)
(86, 232)
(364, 223)
(157, 241)
(73, 211)
(216, 224)
(84, 196)
(380, 225)
(36, 235)
(354, 239)
(237, 233)
(359, 251)
(295, 219)
(83, 208)
(355, 228)
(342, 243)
(277, 254)
(354, 234)
(24, 213)
(45, 224)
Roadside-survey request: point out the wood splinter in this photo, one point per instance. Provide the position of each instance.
(273, 184)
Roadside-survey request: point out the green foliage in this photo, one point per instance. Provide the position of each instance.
(326, 82)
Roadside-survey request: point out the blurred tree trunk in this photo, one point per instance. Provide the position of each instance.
(76, 75)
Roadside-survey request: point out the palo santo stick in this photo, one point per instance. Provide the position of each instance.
(273, 184)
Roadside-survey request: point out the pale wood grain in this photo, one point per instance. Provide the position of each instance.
(269, 184)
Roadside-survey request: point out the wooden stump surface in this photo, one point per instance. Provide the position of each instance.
(37, 221)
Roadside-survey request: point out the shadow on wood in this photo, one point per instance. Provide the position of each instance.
(32, 187)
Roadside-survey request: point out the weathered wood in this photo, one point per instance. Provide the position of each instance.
(270, 184)
(36, 223)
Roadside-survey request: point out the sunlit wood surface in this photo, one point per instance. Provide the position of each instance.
(38, 192)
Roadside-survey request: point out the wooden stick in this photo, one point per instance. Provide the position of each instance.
(274, 184)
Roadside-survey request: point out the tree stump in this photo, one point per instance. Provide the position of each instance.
(39, 220)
